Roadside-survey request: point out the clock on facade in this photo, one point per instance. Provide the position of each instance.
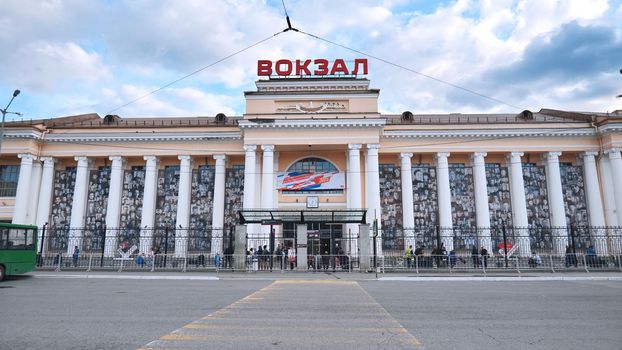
(313, 202)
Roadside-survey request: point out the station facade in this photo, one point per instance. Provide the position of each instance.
(318, 144)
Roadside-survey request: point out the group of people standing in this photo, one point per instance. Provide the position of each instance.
(263, 259)
(439, 257)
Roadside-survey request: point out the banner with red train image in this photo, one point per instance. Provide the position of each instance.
(295, 181)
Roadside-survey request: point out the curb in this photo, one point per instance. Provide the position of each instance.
(503, 279)
(130, 277)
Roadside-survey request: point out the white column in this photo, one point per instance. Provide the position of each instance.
(595, 210)
(275, 193)
(408, 211)
(182, 220)
(78, 208)
(480, 189)
(354, 156)
(615, 162)
(610, 205)
(147, 219)
(23, 188)
(519, 204)
(556, 202)
(352, 250)
(267, 185)
(372, 191)
(250, 175)
(267, 177)
(45, 196)
(607, 192)
(257, 195)
(444, 201)
(113, 208)
(218, 211)
(35, 185)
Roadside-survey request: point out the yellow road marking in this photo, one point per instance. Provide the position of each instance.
(412, 340)
(304, 327)
(227, 312)
(217, 312)
(314, 282)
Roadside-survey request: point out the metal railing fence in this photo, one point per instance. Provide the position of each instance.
(107, 240)
(585, 248)
(465, 262)
(544, 240)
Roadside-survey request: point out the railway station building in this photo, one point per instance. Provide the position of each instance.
(315, 153)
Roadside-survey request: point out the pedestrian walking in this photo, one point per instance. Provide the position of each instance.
(484, 254)
(475, 257)
(278, 252)
(229, 258)
(217, 261)
(409, 254)
(291, 257)
(76, 256)
(571, 258)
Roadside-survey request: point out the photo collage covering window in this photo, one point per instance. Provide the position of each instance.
(96, 204)
(575, 205)
(534, 177)
(166, 198)
(425, 204)
(425, 195)
(536, 196)
(462, 196)
(391, 204)
(60, 216)
(462, 205)
(131, 207)
(201, 208)
(166, 208)
(234, 195)
(499, 200)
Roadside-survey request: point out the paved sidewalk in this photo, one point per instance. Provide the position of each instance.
(354, 276)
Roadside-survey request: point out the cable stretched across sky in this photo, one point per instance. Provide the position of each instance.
(411, 70)
(194, 72)
(293, 29)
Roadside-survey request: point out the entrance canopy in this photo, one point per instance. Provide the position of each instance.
(279, 216)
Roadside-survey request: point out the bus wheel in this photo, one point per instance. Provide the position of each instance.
(2, 273)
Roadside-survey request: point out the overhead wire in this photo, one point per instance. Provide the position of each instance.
(194, 72)
(454, 85)
(289, 27)
(284, 8)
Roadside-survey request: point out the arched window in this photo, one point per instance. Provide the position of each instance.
(312, 165)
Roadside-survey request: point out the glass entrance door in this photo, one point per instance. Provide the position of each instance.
(324, 239)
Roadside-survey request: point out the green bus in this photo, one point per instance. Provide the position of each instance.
(18, 249)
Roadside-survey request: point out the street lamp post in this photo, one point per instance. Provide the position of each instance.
(4, 113)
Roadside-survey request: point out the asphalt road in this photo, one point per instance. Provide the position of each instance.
(302, 313)
(41, 313)
(507, 315)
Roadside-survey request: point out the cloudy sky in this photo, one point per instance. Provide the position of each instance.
(74, 56)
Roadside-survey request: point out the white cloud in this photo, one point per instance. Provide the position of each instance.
(46, 66)
(170, 102)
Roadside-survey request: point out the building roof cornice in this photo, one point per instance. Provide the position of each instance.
(127, 137)
(487, 133)
(311, 123)
(610, 128)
